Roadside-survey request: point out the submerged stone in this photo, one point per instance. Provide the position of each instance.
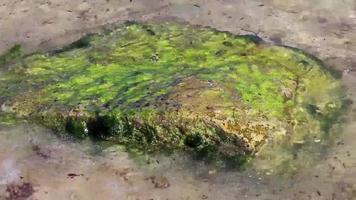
(166, 87)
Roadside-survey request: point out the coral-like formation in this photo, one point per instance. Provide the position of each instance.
(164, 87)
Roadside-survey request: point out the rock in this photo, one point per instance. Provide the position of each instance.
(168, 87)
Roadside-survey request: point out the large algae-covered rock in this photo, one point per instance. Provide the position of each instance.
(175, 87)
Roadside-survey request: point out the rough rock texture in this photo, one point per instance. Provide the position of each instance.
(174, 87)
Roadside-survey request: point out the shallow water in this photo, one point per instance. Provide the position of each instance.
(37, 164)
(34, 163)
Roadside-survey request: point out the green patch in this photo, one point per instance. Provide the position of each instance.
(11, 55)
(166, 87)
(8, 119)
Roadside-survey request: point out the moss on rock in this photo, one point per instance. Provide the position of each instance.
(175, 87)
(11, 55)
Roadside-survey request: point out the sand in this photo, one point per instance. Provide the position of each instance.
(325, 28)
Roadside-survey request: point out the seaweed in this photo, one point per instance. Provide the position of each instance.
(176, 87)
(11, 55)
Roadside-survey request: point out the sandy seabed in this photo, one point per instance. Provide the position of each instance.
(35, 164)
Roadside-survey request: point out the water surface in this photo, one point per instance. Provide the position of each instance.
(37, 164)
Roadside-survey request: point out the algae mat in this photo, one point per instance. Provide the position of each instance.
(166, 87)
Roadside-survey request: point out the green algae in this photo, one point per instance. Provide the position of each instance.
(155, 87)
(11, 55)
(8, 119)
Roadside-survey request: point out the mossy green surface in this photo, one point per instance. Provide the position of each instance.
(11, 55)
(169, 86)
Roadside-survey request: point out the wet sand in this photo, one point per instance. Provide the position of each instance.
(44, 166)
